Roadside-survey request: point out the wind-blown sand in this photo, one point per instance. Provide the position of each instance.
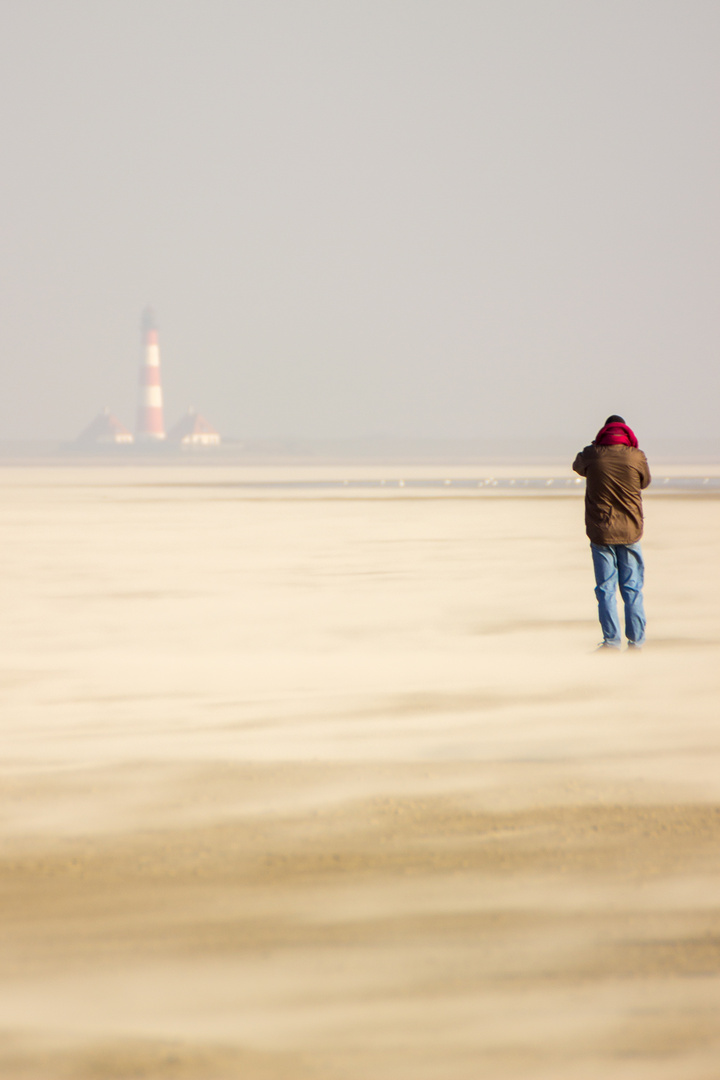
(322, 787)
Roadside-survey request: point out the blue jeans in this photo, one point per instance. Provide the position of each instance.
(619, 564)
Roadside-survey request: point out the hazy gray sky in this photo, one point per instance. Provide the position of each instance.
(409, 217)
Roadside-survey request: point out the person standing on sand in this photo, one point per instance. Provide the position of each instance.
(616, 472)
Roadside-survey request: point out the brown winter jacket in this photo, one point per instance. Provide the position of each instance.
(613, 504)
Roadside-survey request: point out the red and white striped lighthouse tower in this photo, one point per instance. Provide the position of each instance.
(150, 426)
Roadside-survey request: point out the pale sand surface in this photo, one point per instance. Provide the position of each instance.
(306, 789)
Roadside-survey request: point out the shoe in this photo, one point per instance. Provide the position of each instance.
(634, 647)
(606, 646)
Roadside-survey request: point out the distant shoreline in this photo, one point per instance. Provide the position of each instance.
(295, 478)
(349, 453)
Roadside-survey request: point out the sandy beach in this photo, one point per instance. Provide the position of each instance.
(327, 786)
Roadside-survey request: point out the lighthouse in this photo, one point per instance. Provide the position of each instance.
(150, 426)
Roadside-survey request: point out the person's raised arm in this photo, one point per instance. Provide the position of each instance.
(579, 465)
(645, 476)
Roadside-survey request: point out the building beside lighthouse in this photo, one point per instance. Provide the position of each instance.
(150, 426)
(194, 430)
(105, 431)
